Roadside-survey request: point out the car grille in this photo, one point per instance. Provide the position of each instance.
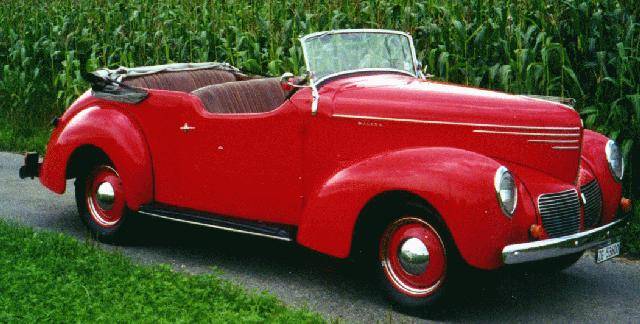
(560, 212)
(593, 204)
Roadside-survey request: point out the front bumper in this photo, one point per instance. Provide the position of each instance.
(539, 250)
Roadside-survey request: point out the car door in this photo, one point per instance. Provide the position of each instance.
(242, 165)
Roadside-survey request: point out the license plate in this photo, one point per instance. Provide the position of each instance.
(607, 252)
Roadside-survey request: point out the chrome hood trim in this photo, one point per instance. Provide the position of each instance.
(502, 126)
(437, 122)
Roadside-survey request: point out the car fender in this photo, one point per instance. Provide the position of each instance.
(595, 160)
(457, 183)
(111, 131)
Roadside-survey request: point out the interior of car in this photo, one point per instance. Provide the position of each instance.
(221, 91)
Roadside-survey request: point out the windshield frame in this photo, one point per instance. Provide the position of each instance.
(314, 83)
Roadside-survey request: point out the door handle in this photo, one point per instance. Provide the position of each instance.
(186, 128)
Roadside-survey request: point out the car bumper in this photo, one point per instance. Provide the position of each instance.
(540, 250)
(31, 167)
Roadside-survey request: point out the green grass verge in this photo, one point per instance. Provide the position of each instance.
(52, 277)
(631, 235)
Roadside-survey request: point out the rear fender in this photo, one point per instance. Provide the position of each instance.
(117, 136)
(458, 184)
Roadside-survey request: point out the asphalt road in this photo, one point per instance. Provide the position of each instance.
(586, 292)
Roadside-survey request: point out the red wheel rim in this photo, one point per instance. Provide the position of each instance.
(104, 196)
(413, 257)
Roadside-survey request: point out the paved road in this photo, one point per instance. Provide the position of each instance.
(587, 292)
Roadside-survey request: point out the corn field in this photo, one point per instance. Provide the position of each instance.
(585, 49)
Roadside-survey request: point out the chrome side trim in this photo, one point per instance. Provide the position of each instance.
(437, 122)
(565, 148)
(215, 226)
(545, 249)
(525, 133)
(553, 141)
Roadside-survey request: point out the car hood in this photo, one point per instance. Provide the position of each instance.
(532, 132)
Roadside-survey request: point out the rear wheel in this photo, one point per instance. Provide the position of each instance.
(101, 203)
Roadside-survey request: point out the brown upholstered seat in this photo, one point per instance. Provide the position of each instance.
(185, 81)
(251, 96)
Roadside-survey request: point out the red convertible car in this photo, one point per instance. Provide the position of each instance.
(361, 157)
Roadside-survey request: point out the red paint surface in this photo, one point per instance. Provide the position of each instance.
(109, 127)
(246, 165)
(439, 141)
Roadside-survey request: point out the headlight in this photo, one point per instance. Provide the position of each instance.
(616, 162)
(506, 190)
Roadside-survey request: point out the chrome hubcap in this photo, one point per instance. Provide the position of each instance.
(105, 196)
(414, 256)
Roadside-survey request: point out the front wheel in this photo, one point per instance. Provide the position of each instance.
(412, 262)
(101, 204)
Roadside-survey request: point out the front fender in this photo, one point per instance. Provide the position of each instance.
(457, 183)
(595, 160)
(117, 136)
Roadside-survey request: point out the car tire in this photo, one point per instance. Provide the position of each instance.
(101, 205)
(413, 259)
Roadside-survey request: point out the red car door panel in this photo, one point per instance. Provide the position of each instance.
(244, 165)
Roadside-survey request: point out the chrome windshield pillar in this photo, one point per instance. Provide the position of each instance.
(316, 97)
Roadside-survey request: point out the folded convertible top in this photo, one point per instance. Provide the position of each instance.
(122, 72)
(107, 84)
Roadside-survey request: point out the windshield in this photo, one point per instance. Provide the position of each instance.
(343, 51)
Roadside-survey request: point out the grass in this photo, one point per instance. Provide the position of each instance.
(54, 278)
(631, 235)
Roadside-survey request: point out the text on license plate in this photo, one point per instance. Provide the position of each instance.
(607, 252)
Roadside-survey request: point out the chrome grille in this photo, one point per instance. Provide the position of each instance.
(560, 212)
(593, 204)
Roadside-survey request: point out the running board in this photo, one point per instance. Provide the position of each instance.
(278, 232)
